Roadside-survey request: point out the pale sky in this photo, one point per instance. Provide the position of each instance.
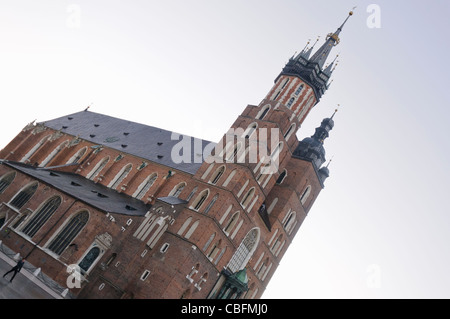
(381, 226)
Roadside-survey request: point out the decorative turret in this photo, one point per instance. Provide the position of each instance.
(311, 148)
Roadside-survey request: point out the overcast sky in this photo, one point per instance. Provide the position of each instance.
(381, 226)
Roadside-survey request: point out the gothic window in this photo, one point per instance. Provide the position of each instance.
(245, 250)
(192, 193)
(289, 132)
(145, 186)
(217, 175)
(276, 151)
(250, 130)
(305, 194)
(290, 102)
(192, 229)
(263, 112)
(289, 221)
(6, 180)
(235, 152)
(209, 241)
(98, 168)
(77, 156)
(34, 149)
(281, 177)
(69, 232)
(24, 195)
(299, 90)
(53, 154)
(176, 191)
(211, 203)
(198, 202)
(184, 226)
(287, 80)
(41, 216)
(214, 250)
(276, 244)
(231, 223)
(229, 178)
(120, 176)
(141, 233)
(248, 197)
(89, 259)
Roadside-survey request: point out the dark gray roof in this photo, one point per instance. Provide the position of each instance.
(171, 200)
(148, 142)
(96, 195)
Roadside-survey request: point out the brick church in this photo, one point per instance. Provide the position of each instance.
(109, 208)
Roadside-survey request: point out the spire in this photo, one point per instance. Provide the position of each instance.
(322, 53)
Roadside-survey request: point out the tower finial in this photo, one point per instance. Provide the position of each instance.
(335, 111)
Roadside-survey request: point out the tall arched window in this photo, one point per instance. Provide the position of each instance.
(34, 149)
(211, 203)
(281, 177)
(235, 151)
(120, 176)
(289, 132)
(276, 152)
(89, 258)
(299, 90)
(250, 130)
(263, 112)
(41, 216)
(6, 180)
(231, 223)
(289, 220)
(305, 194)
(69, 232)
(245, 250)
(290, 102)
(217, 175)
(176, 191)
(198, 202)
(98, 168)
(24, 195)
(77, 156)
(53, 154)
(248, 197)
(145, 186)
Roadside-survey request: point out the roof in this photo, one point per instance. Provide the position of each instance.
(85, 190)
(171, 200)
(148, 142)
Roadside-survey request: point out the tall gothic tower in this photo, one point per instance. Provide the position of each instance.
(107, 197)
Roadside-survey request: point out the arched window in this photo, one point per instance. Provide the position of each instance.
(288, 222)
(77, 156)
(24, 195)
(211, 203)
(192, 229)
(276, 152)
(299, 90)
(305, 194)
(231, 223)
(209, 241)
(184, 226)
(176, 191)
(34, 149)
(250, 130)
(41, 216)
(289, 132)
(53, 154)
(276, 244)
(248, 197)
(198, 202)
(263, 112)
(89, 259)
(120, 176)
(281, 177)
(6, 180)
(69, 232)
(192, 193)
(245, 250)
(145, 186)
(235, 152)
(291, 101)
(98, 168)
(217, 175)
